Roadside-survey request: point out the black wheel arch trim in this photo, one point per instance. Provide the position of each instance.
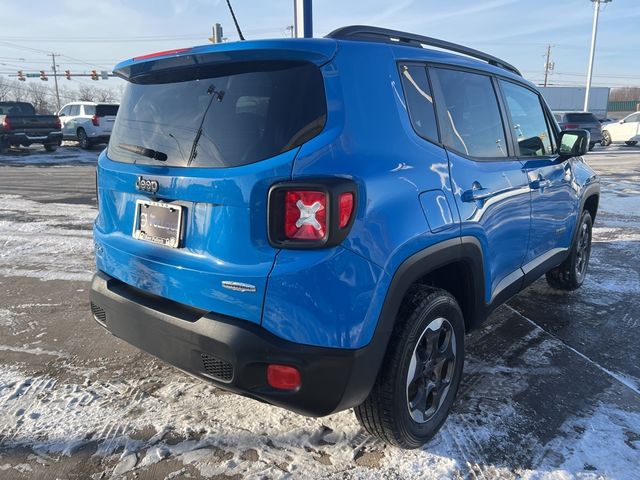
(465, 250)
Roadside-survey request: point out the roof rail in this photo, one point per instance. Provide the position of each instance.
(376, 34)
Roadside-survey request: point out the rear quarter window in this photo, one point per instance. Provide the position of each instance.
(419, 100)
(106, 110)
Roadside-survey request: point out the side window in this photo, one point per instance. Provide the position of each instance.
(528, 120)
(417, 94)
(468, 113)
(74, 110)
(64, 111)
(633, 118)
(89, 109)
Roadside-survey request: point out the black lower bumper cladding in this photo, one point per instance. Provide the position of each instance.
(231, 353)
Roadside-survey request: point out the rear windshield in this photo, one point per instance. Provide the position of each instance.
(222, 119)
(103, 110)
(581, 118)
(17, 109)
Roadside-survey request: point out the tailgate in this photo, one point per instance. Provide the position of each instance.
(39, 123)
(197, 155)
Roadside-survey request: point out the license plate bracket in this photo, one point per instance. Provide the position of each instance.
(158, 222)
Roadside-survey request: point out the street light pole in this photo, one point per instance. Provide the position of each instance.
(594, 33)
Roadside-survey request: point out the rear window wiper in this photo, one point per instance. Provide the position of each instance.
(215, 95)
(145, 152)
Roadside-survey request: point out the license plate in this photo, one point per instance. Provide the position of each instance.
(158, 222)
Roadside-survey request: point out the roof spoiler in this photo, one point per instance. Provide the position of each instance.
(142, 68)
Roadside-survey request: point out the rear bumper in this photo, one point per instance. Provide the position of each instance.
(232, 353)
(26, 139)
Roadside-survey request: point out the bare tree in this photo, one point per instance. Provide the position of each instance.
(107, 95)
(5, 90)
(86, 93)
(625, 94)
(42, 97)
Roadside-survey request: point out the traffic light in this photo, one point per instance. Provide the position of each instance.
(67, 73)
(21, 76)
(94, 75)
(43, 76)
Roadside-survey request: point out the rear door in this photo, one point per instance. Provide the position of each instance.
(489, 183)
(184, 184)
(71, 121)
(553, 189)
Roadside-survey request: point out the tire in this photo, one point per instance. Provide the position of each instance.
(4, 147)
(606, 139)
(571, 273)
(631, 144)
(430, 331)
(83, 140)
(51, 147)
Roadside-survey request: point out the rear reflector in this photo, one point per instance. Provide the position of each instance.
(6, 124)
(283, 377)
(305, 215)
(346, 208)
(162, 54)
(95, 120)
(570, 126)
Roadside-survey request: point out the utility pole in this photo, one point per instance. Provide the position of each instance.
(548, 65)
(55, 77)
(217, 34)
(594, 33)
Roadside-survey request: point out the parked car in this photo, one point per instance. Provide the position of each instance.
(87, 122)
(320, 228)
(581, 120)
(21, 125)
(626, 130)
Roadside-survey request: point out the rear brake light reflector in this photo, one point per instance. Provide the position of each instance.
(283, 377)
(305, 216)
(346, 208)
(571, 126)
(95, 120)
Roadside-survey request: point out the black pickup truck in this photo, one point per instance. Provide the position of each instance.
(20, 125)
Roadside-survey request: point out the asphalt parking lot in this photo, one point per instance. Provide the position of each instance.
(551, 386)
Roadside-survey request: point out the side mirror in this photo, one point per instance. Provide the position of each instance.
(574, 143)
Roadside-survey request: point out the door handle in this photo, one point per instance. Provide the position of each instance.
(477, 193)
(540, 183)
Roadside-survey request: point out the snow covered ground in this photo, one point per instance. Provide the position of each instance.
(551, 387)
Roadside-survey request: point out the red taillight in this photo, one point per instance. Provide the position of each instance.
(95, 120)
(570, 126)
(58, 123)
(162, 54)
(346, 208)
(6, 124)
(283, 377)
(305, 215)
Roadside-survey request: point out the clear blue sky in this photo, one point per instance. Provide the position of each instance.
(100, 33)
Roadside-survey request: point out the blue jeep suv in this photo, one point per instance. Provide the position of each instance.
(316, 223)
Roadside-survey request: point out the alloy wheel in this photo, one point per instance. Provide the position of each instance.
(583, 251)
(431, 370)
